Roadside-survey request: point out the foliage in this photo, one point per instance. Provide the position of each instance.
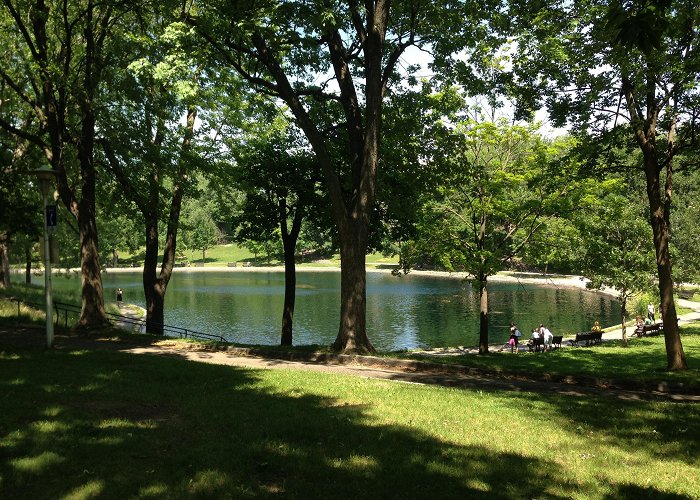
(616, 252)
(685, 228)
(199, 231)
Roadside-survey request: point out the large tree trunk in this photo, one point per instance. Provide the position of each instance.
(92, 312)
(4, 260)
(483, 316)
(154, 300)
(659, 214)
(352, 332)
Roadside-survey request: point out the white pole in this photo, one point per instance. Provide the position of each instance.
(47, 280)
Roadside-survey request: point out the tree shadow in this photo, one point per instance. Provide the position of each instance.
(98, 426)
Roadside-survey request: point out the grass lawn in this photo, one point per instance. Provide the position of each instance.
(222, 255)
(83, 424)
(644, 359)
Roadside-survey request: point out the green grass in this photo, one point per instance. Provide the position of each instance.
(112, 425)
(643, 360)
(222, 255)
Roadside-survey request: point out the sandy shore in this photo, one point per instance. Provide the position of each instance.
(504, 277)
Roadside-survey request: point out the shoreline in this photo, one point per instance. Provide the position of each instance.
(519, 277)
(530, 278)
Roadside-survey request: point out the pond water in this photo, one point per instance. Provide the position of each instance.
(404, 312)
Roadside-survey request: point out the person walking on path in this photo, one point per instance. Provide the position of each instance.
(651, 312)
(120, 295)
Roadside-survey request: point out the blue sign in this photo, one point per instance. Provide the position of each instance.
(51, 216)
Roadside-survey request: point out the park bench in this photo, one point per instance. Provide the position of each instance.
(556, 341)
(649, 330)
(590, 338)
(535, 345)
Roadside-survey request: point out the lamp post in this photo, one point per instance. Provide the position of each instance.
(46, 177)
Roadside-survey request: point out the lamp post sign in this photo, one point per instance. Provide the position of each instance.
(45, 176)
(51, 217)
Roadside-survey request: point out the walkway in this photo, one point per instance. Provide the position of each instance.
(134, 318)
(404, 371)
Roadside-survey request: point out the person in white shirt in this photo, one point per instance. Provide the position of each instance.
(547, 336)
(651, 312)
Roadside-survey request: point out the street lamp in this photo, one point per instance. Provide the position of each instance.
(46, 177)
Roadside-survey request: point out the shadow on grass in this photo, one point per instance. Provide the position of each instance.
(115, 425)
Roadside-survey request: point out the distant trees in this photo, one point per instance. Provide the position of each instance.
(615, 244)
(199, 230)
(280, 176)
(497, 186)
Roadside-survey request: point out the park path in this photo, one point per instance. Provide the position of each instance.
(362, 366)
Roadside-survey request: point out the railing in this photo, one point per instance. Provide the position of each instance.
(116, 319)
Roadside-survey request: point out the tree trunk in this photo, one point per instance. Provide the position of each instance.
(352, 332)
(483, 316)
(154, 300)
(92, 312)
(645, 133)
(289, 242)
(4, 261)
(623, 316)
(659, 215)
(28, 264)
(290, 283)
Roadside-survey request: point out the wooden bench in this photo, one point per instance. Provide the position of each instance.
(590, 338)
(556, 341)
(535, 345)
(649, 330)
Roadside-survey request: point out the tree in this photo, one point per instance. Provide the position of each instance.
(59, 54)
(497, 186)
(622, 73)
(616, 249)
(280, 177)
(685, 236)
(332, 65)
(19, 201)
(150, 152)
(199, 231)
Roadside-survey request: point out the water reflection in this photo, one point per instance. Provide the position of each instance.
(402, 312)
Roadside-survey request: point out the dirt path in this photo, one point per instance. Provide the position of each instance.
(369, 367)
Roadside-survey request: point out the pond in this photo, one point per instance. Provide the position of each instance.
(404, 312)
